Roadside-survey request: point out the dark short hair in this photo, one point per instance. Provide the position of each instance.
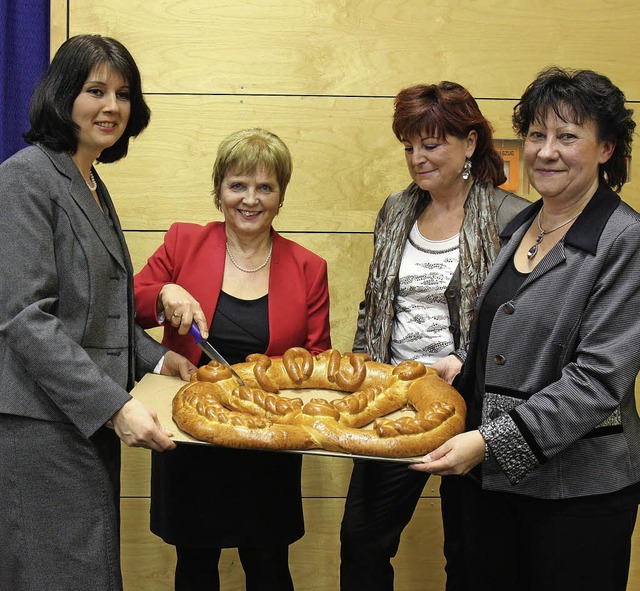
(52, 101)
(448, 109)
(579, 96)
(244, 151)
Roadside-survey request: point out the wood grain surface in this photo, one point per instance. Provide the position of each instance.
(322, 74)
(364, 48)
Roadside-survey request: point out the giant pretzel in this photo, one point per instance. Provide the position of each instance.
(213, 407)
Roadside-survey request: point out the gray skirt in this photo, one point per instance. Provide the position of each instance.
(59, 510)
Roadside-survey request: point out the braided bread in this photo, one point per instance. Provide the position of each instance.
(214, 408)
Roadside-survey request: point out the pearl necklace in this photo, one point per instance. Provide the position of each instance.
(262, 266)
(94, 185)
(533, 251)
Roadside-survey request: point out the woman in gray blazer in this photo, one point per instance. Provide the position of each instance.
(69, 347)
(554, 433)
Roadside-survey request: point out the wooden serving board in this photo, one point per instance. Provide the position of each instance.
(157, 393)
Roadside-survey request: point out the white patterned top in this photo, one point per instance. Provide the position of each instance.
(421, 324)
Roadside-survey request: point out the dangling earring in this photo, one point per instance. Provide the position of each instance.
(466, 169)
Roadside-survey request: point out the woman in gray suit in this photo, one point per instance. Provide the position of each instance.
(554, 433)
(69, 347)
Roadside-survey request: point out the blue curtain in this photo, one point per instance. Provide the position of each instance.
(24, 55)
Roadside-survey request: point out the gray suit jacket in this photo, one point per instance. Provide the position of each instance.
(558, 407)
(69, 347)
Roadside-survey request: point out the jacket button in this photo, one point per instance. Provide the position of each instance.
(450, 293)
(499, 360)
(509, 308)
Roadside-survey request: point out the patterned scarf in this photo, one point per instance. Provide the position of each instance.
(479, 246)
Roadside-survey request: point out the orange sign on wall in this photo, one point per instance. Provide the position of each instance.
(511, 157)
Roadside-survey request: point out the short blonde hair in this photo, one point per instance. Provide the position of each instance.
(248, 150)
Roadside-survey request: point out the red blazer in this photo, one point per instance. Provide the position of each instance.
(193, 256)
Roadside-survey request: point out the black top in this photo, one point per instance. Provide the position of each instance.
(239, 327)
(504, 289)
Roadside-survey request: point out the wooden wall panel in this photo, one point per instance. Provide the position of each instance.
(135, 472)
(346, 159)
(634, 570)
(58, 24)
(369, 47)
(342, 181)
(148, 562)
(167, 176)
(321, 74)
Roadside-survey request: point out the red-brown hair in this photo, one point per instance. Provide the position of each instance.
(438, 110)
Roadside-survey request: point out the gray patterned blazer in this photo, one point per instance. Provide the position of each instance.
(69, 347)
(558, 409)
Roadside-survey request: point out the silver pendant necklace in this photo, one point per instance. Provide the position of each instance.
(262, 266)
(533, 251)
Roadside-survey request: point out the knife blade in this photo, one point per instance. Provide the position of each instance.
(211, 352)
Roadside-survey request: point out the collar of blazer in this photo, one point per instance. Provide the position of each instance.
(79, 192)
(586, 230)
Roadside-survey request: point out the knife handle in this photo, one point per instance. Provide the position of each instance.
(194, 331)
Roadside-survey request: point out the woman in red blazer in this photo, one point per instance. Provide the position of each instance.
(250, 291)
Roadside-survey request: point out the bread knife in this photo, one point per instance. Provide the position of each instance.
(211, 352)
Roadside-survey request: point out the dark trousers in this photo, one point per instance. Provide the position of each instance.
(453, 493)
(265, 569)
(381, 500)
(517, 543)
